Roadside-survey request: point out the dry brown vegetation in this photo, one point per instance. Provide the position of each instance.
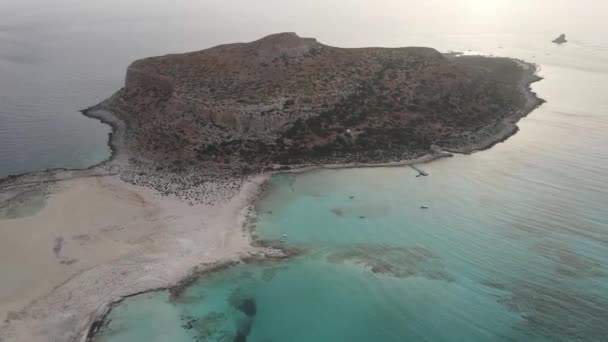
(290, 100)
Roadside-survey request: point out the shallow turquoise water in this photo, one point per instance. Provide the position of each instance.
(514, 245)
(493, 264)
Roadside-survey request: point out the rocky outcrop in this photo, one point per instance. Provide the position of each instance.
(561, 39)
(289, 100)
(287, 45)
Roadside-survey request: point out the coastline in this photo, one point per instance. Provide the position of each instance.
(502, 130)
(107, 167)
(84, 324)
(116, 142)
(85, 260)
(491, 136)
(507, 127)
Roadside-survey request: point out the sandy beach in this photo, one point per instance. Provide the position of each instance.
(87, 239)
(98, 239)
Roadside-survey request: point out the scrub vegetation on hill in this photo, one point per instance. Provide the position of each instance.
(286, 100)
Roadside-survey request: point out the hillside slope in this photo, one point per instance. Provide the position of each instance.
(290, 100)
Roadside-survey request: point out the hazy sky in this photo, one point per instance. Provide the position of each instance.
(332, 20)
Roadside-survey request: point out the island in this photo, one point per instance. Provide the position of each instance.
(561, 39)
(196, 136)
(286, 100)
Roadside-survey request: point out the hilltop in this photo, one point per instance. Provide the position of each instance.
(287, 100)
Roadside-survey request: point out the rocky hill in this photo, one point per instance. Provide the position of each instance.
(290, 100)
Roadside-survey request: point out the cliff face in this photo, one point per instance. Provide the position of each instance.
(286, 99)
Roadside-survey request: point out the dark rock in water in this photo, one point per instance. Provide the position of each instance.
(337, 212)
(57, 247)
(561, 39)
(245, 328)
(248, 307)
(68, 262)
(190, 323)
(240, 337)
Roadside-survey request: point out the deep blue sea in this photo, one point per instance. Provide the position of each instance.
(513, 245)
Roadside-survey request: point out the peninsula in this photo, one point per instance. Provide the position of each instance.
(195, 136)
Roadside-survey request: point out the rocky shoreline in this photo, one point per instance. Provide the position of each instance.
(508, 126)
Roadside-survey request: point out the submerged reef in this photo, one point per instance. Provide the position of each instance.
(400, 262)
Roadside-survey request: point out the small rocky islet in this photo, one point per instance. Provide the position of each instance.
(561, 39)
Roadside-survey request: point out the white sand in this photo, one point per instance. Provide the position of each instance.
(116, 239)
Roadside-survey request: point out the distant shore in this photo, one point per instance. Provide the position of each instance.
(141, 246)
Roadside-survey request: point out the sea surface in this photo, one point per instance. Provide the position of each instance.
(513, 245)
